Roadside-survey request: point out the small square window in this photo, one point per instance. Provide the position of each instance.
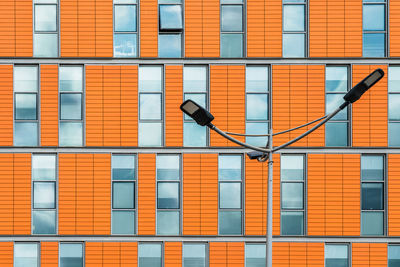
(150, 134)
(123, 167)
(229, 167)
(167, 222)
(257, 128)
(150, 106)
(292, 195)
(230, 222)
(232, 45)
(194, 135)
(170, 45)
(43, 167)
(292, 223)
(168, 167)
(232, 18)
(71, 255)
(293, 18)
(123, 222)
(26, 254)
(149, 255)
(168, 195)
(125, 18)
(230, 195)
(45, 45)
(25, 79)
(293, 45)
(255, 255)
(71, 78)
(44, 195)
(371, 223)
(123, 195)
(194, 255)
(25, 107)
(43, 222)
(45, 18)
(25, 134)
(336, 134)
(71, 106)
(336, 255)
(125, 45)
(170, 17)
(71, 134)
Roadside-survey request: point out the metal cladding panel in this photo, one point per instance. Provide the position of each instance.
(49, 105)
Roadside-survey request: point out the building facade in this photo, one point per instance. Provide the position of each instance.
(99, 167)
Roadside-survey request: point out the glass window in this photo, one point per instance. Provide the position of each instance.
(167, 222)
(394, 106)
(26, 254)
(169, 45)
(374, 29)
(43, 167)
(393, 255)
(231, 29)
(393, 79)
(293, 45)
(257, 79)
(194, 135)
(170, 17)
(372, 167)
(25, 134)
(230, 195)
(150, 79)
(25, 79)
(231, 45)
(255, 255)
(45, 45)
(71, 134)
(336, 79)
(71, 78)
(123, 222)
(336, 255)
(371, 223)
(125, 45)
(293, 18)
(43, 222)
(232, 18)
(257, 128)
(25, 107)
(372, 194)
(292, 223)
(229, 167)
(333, 101)
(336, 134)
(194, 255)
(125, 18)
(195, 79)
(45, 37)
(71, 255)
(149, 255)
(230, 222)
(292, 195)
(44, 195)
(394, 134)
(71, 105)
(168, 195)
(374, 45)
(294, 29)
(150, 106)
(374, 17)
(123, 195)
(150, 134)
(168, 167)
(123, 167)
(292, 168)
(46, 18)
(256, 107)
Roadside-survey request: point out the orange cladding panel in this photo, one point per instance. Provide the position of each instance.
(256, 28)
(69, 28)
(129, 254)
(6, 194)
(7, 28)
(394, 28)
(66, 194)
(111, 254)
(129, 105)
(394, 195)
(315, 254)
(86, 28)
(353, 28)
(276, 205)
(49, 254)
(7, 254)
(147, 194)
(318, 27)
(148, 28)
(209, 194)
(6, 105)
(193, 28)
(173, 99)
(22, 194)
(49, 105)
(273, 28)
(235, 254)
(84, 194)
(112, 105)
(280, 254)
(211, 26)
(102, 194)
(335, 28)
(280, 98)
(316, 102)
(218, 254)
(191, 212)
(23, 28)
(218, 102)
(94, 106)
(369, 255)
(104, 28)
(93, 254)
(173, 254)
(236, 101)
(298, 254)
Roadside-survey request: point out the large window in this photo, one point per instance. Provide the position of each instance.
(257, 104)
(230, 194)
(294, 28)
(45, 37)
(150, 106)
(393, 255)
(255, 255)
(26, 254)
(195, 88)
(372, 195)
(123, 194)
(71, 254)
(336, 255)
(71, 106)
(394, 106)
(194, 255)
(336, 86)
(26, 105)
(168, 194)
(125, 28)
(232, 28)
(374, 28)
(150, 255)
(170, 28)
(292, 194)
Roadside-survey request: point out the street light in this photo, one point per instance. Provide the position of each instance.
(202, 117)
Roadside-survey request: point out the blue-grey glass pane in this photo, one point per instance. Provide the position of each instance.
(256, 79)
(394, 255)
(293, 1)
(150, 106)
(71, 106)
(373, 45)
(231, 1)
(371, 223)
(168, 196)
(44, 222)
(194, 79)
(374, 17)
(372, 168)
(25, 107)
(293, 45)
(199, 99)
(125, 2)
(167, 222)
(150, 79)
(71, 255)
(292, 223)
(170, 1)
(293, 17)
(194, 255)
(256, 107)
(169, 45)
(123, 222)
(375, 1)
(71, 79)
(230, 167)
(232, 18)
(44, 195)
(123, 195)
(336, 79)
(46, 1)
(230, 195)
(336, 134)
(71, 134)
(170, 17)
(232, 45)
(230, 222)
(25, 79)
(336, 256)
(150, 134)
(46, 18)
(257, 128)
(372, 196)
(43, 167)
(394, 107)
(255, 255)
(25, 255)
(123, 167)
(292, 168)
(168, 167)
(394, 134)
(194, 135)
(333, 101)
(125, 18)
(125, 45)
(292, 195)
(149, 255)
(25, 134)
(394, 79)
(45, 45)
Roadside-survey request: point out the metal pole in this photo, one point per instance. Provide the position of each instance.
(268, 257)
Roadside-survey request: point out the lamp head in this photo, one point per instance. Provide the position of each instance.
(357, 91)
(196, 112)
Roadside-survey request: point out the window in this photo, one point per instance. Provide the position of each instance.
(195, 88)
(294, 28)
(170, 28)
(393, 255)
(255, 255)
(394, 106)
(45, 37)
(257, 104)
(336, 255)
(168, 194)
(374, 28)
(150, 106)
(44, 184)
(71, 255)
(125, 28)
(26, 105)
(26, 254)
(194, 255)
(336, 86)
(232, 28)
(123, 194)
(71, 106)
(292, 194)
(372, 195)
(150, 255)
(230, 194)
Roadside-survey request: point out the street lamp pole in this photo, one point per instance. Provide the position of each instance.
(204, 118)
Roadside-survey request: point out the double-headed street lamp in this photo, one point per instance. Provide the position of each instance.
(204, 118)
